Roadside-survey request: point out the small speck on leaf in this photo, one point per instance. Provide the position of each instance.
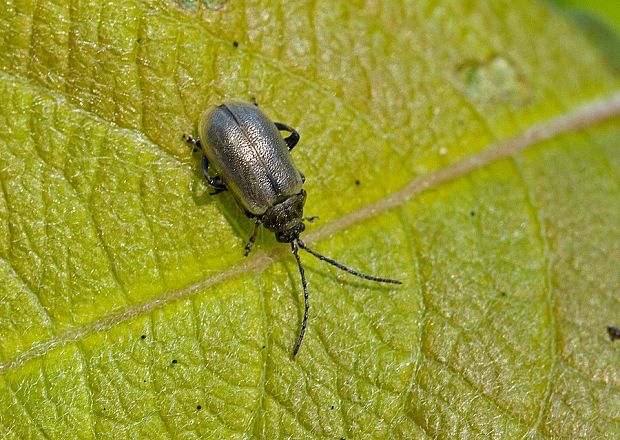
(199, 407)
(472, 214)
(357, 182)
(174, 361)
(614, 332)
(236, 44)
(143, 337)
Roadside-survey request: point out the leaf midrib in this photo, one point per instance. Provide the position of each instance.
(587, 115)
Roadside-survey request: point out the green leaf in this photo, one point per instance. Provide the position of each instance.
(469, 149)
(600, 21)
(606, 11)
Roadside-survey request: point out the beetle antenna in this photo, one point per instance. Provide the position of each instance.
(340, 266)
(304, 323)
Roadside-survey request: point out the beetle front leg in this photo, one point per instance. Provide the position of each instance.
(215, 182)
(248, 247)
(292, 140)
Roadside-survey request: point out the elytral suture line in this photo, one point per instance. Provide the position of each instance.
(584, 116)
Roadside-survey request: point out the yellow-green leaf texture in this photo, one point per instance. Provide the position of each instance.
(468, 148)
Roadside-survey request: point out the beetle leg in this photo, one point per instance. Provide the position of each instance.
(292, 140)
(195, 143)
(215, 182)
(311, 219)
(248, 247)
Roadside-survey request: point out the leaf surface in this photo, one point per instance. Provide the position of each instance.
(470, 149)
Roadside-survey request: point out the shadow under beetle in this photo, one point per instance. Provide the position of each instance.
(252, 161)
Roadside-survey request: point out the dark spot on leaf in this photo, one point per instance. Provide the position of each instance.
(357, 182)
(199, 407)
(139, 40)
(502, 293)
(263, 347)
(614, 332)
(236, 44)
(143, 337)
(174, 361)
(332, 406)
(472, 214)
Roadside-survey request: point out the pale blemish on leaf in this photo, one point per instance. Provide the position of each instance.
(192, 5)
(496, 80)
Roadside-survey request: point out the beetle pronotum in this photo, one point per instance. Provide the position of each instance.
(253, 162)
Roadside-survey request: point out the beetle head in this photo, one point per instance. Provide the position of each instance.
(290, 235)
(286, 218)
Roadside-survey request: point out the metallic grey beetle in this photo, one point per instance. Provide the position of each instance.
(254, 163)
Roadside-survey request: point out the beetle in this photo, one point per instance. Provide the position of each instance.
(252, 160)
